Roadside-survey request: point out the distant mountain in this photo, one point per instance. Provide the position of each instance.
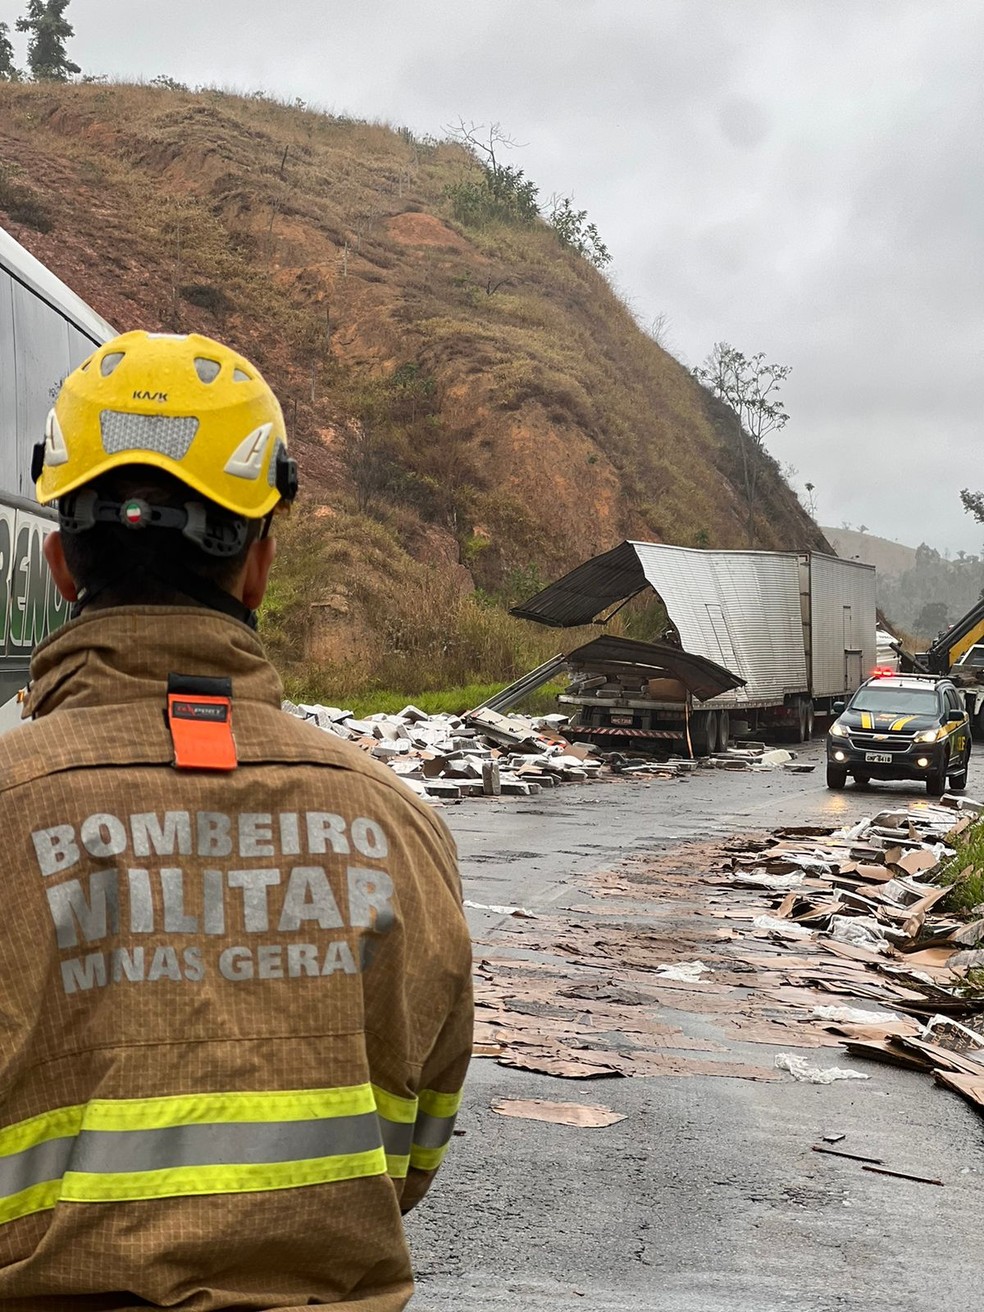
(916, 588)
(886, 556)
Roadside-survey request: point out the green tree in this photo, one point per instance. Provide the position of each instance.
(500, 193)
(932, 620)
(973, 503)
(8, 72)
(577, 234)
(504, 194)
(49, 28)
(750, 389)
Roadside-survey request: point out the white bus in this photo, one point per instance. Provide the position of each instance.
(45, 332)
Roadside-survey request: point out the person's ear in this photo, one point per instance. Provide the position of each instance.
(54, 554)
(259, 560)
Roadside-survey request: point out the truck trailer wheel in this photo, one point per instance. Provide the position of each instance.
(704, 732)
(836, 776)
(724, 730)
(799, 728)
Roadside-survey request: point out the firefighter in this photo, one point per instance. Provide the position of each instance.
(235, 1007)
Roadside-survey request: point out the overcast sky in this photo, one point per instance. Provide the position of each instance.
(799, 177)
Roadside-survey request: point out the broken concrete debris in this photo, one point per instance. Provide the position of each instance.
(448, 757)
(485, 754)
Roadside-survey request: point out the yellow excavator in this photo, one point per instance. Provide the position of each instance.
(959, 653)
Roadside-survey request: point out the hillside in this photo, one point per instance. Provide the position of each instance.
(889, 558)
(473, 408)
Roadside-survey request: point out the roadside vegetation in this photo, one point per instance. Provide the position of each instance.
(964, 872)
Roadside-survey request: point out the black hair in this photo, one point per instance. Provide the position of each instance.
(119, 565)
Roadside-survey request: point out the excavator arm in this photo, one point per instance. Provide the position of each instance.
(950, 646)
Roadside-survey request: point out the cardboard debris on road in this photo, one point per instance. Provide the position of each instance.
(868, 899)
(583, 1116)
(834, 938)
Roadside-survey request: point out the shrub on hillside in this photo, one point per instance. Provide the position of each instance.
(23, 204)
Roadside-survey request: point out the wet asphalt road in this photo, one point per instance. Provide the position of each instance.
(707, 1197)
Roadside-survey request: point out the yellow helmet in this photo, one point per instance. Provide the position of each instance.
(184, 404)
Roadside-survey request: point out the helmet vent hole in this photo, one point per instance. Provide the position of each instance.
(207, 370)
(240, 376)
(109, 362)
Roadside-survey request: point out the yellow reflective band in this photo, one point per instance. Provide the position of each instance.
(212, 1108)
(397, 1166)
(38, 1198)
(199, 1144)
(427, 1159)
(901, 723)
(393, 1107)
(83, 1187)
(440, 1104)
(866, 721)
(433, 1129)
(58, 1124)
(33, 1155)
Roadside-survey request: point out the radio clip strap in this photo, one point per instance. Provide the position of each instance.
(199, 717)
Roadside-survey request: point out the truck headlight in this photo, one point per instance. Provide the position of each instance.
(929, 735)
(837, 730)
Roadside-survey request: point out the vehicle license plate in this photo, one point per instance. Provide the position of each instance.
(879, 758)
(622, 719)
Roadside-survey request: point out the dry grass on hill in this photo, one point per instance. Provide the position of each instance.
(471, 406)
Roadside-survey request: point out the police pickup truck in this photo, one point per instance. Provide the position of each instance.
(901, 726)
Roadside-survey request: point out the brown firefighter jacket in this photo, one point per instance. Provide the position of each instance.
(235, 1008)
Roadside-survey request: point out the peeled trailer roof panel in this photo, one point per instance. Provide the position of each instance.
(739, 609)
(700, 676)
(786, 622)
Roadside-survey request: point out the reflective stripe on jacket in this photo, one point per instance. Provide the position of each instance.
(236, 1008)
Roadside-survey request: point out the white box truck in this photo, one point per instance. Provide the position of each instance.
(798, 628)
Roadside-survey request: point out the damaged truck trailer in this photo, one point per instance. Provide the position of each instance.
(796, 628)
(45, 332)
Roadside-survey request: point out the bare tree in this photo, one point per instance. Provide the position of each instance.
(750, 389)
(483, 141)
(659, 329)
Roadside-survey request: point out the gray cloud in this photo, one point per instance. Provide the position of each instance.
(803, 179)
